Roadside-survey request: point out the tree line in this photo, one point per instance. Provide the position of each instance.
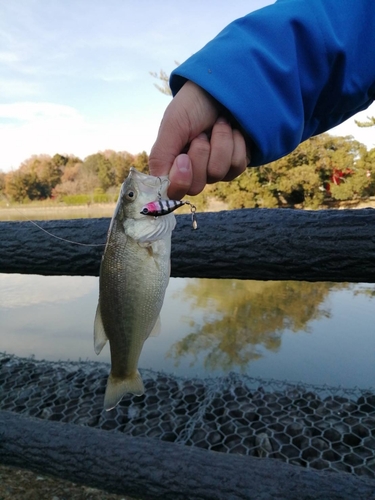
(68, 178)
(321, 171)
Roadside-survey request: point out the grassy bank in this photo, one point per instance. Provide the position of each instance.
(55, 211)
(49, 210)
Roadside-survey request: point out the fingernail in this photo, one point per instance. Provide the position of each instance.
(183, 163)
(222, 119)
(202, 136)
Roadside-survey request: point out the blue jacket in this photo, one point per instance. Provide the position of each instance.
(289, 71)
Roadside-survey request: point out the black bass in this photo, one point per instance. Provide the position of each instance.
(134, 275)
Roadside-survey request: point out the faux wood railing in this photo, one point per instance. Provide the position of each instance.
(263, 244)
(150, 469)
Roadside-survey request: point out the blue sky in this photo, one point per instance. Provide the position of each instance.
(74, 74)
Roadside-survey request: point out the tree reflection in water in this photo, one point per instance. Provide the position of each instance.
(242, 316)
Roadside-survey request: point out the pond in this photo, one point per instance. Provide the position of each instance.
(319, 333)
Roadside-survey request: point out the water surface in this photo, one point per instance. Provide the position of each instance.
(298, 331)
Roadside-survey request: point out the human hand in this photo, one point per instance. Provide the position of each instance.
(193, 123)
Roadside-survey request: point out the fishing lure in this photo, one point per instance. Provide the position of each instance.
(164, 207)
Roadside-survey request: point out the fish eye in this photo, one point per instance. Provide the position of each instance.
(130, 195)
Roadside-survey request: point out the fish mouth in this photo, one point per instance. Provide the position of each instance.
(150, 181)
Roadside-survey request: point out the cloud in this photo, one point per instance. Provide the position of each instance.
(31, 111)
(28, 128)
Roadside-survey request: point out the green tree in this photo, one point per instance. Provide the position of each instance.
(35, 179)
(141, 162)
(249, 190)
(366, 166)
(49, 175)
(2, 183)
(88, 175)
(302, 178)
(69, 183)
(60, 160)
(121, 162)
(352, 187)
(106, 173)
(22, 186)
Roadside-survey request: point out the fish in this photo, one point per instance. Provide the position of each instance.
(134, 275)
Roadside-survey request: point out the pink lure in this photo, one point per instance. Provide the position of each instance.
(161, 207)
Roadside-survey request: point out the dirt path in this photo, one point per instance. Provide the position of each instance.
(20, 484)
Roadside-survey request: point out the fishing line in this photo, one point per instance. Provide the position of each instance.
(64, 239)
(185, 202)
(59, 237)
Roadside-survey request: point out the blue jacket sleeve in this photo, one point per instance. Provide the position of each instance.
(289, 71)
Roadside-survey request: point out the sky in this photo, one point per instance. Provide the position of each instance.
(74, 74)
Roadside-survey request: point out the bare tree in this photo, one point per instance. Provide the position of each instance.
(369, 123)
(163, 77)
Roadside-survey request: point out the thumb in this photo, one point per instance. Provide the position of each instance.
(172, 139)
(165, 157)
(191, 112)
(181, 177)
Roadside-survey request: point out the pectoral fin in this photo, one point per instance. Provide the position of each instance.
(100, 338)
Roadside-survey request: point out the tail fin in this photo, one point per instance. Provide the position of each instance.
(117, 388)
